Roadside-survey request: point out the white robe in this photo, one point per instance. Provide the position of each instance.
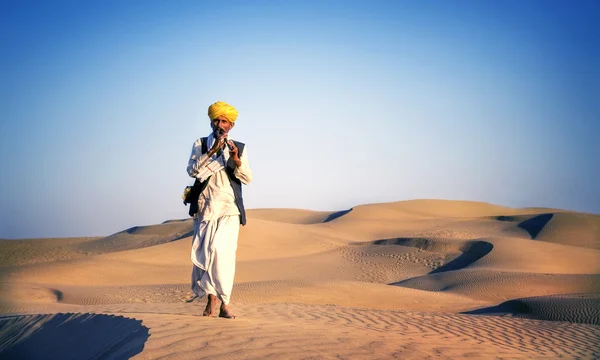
(213, 255)
(217, 223)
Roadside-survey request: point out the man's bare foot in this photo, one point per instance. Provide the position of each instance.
(225, 313)
(210, 306)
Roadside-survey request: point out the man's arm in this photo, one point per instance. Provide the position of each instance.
(242, 167)
(197, 160)
(202, 166)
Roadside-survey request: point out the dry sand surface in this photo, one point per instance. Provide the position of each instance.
(423, 279)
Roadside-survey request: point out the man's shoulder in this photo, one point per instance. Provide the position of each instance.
(199, 141)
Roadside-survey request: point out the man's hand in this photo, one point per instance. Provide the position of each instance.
(217, 145)
(233, 153)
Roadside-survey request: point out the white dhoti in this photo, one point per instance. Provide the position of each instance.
(213, 255)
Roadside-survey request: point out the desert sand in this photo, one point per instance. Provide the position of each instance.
(418, 279)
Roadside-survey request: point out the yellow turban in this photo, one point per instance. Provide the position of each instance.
(222, 108)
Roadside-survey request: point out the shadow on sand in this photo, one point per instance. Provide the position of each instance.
(336, 215)
(549, 308)
(470, 251)
(71, 336)
(534, 225)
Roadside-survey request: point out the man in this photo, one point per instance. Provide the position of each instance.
(220, 166)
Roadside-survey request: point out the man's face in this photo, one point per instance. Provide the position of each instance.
(221, 126)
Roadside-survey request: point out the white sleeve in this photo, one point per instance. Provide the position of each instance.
(244, 173)
(197, 160)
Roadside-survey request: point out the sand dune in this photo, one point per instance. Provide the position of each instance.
(411, 280)
(583, 308)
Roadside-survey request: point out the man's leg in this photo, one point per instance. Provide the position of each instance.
(211, 305)
(225, 313)
(222, 269)
(215, 247)
(202, 255)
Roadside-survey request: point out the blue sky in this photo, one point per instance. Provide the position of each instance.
(341, 103)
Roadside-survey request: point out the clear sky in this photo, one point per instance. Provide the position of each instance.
(340, 103)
